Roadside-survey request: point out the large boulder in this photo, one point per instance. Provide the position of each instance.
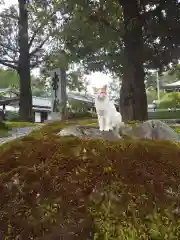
(151, 129)
(89, 132)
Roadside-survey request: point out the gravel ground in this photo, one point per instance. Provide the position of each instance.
(17, 133)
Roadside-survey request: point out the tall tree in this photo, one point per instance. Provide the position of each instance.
(21, 45)
(124, 37)
(133, 99)
(25, 103)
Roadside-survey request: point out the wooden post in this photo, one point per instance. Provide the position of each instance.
(58, 94)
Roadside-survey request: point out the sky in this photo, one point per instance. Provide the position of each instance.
(96, 79)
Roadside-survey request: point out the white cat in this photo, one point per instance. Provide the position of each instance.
(108, 117)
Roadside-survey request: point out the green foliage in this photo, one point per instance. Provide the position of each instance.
(8, 78)
(170, 100)
(99, 41)
(12, 116)
(39, 32)
(175, 71)
(70, 187)
(40, 87)
(76, 80)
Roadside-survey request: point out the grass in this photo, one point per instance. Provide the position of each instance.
(21, 124)
(4, 133)
(52, 186)
(164, 114)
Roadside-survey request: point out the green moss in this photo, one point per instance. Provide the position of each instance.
(3, 126)
(4, 133)
(55, 127)
(177, 129)
(4, 130)
(50, 186)
(21, 124)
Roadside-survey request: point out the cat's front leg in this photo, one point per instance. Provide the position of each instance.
(101, 123)
(108, 125)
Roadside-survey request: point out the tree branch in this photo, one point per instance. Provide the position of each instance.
(94, 17)
(39, 47)
(33, 37)
(8, 47)
(5, 15)
(33, 65)
(40, 27)
(17, 94)
(8, 63)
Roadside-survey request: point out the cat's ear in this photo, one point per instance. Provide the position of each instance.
(105, 87)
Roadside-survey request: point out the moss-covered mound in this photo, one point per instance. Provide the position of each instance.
(67, 188)
(54, 127)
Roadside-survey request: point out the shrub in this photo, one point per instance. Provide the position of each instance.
(170, 100)
(52, 187)
(80, 115)
(12, 116)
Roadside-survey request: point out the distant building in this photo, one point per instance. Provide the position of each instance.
(172, 87)
(41, 105)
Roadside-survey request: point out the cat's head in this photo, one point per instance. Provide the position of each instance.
(100, 93)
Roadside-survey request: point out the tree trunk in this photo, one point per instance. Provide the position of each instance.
(25, 109)
(133, 101)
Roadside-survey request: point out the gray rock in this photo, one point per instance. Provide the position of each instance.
(89, 132)
(151, 129)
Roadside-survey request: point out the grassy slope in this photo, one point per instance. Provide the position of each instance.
(59, 185)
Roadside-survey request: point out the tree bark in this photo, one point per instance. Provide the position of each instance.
(133, 100)
(25, 109)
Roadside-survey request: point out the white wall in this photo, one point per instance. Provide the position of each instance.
(49, 116)
(37, 117)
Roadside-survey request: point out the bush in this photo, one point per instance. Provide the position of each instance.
(170, 100)
(80, 115)
(52, 187)
(12, 116)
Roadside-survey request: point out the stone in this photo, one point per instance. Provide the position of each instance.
(17, 133)
(151, 129)
(88, 132)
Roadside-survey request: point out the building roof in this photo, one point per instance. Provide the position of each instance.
(46, 102)
(174, 84)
